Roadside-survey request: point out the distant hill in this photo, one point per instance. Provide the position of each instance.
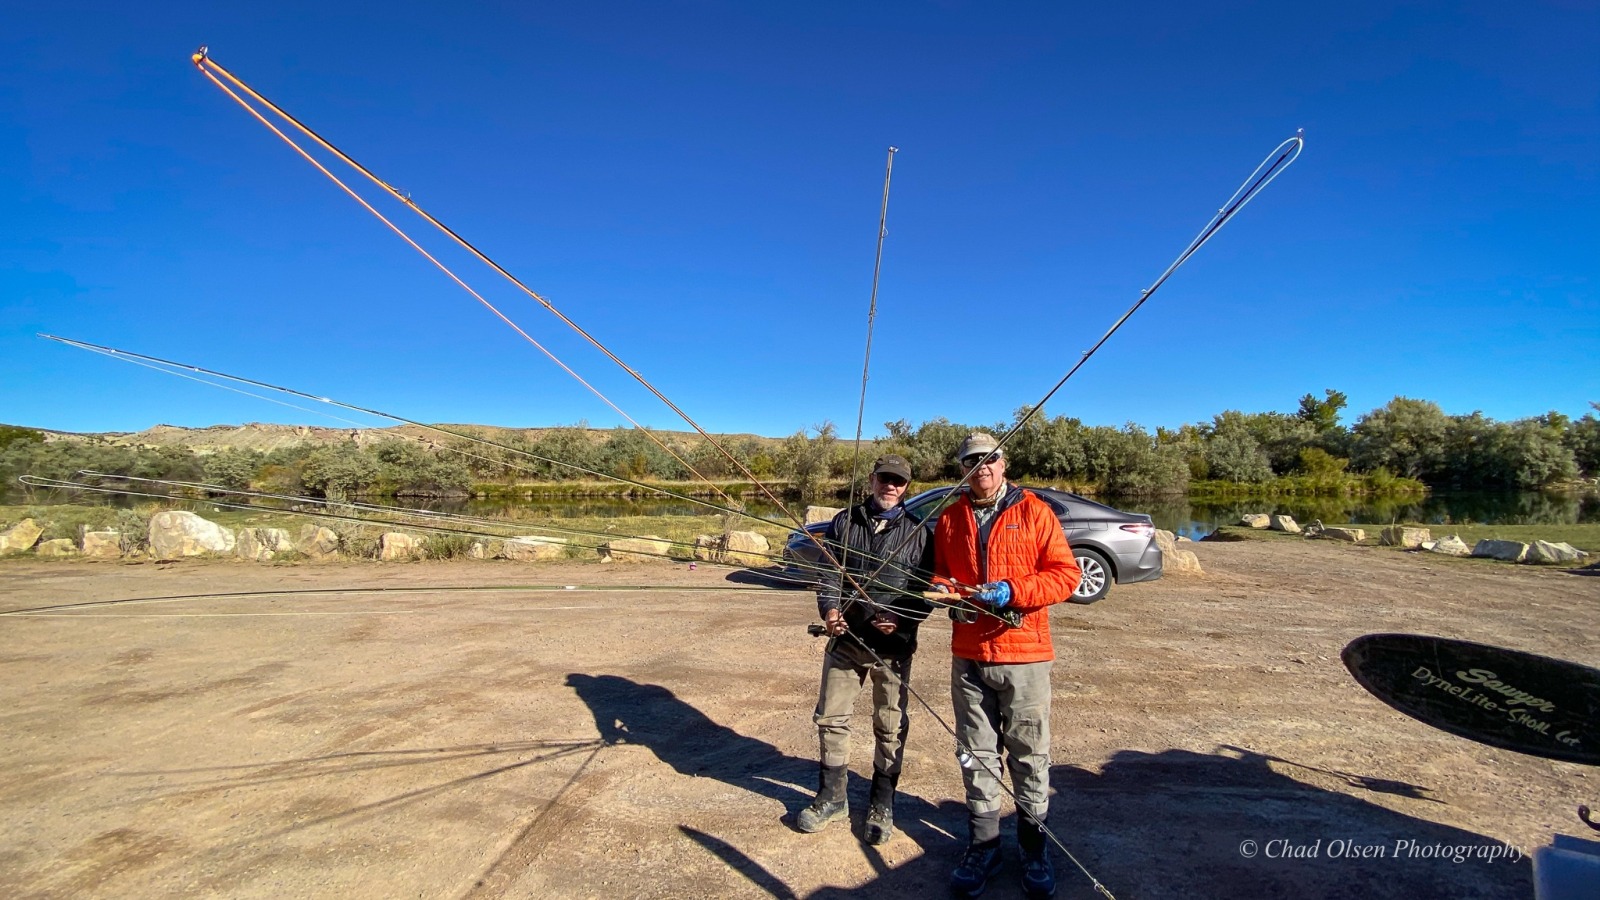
(263, 437)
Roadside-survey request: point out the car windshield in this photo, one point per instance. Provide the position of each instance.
(925, 508)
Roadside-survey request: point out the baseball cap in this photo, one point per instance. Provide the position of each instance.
(978, 443)
(892, 465)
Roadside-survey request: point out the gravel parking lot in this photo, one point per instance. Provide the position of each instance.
(361, 730)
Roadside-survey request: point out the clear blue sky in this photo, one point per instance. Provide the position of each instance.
(698, 184)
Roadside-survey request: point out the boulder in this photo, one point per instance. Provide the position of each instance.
(57, 547)
(707, 546)
(1285, 524)
(531, 547)
(1353, 535)
(1451, 545)
(19, 537)
(478, 550)
(1255, 520)
(394, 545)
(317, 542)
(1547, 553)
(641, 549)
(1508, 551)
(1404, 537)
(100, 544)
(736, 548)
(262, 544)
(1173, 560)
(816, 514)
(175, 534)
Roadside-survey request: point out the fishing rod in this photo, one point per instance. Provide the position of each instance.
(182, 370)
(212, 70)
(1265, 173)
(1269, 169)
(872, 315)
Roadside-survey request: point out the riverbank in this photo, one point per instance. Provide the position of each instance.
(366, 731)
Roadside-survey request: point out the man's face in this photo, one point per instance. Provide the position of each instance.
(887, 489)
(986, 479)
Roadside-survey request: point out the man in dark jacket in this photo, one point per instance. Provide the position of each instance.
(887, 553)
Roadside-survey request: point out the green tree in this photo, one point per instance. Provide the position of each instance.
(1233, 454)
(805, 459)
(1405, 436)
(1322, 415)
(232, 469)
(339, 471)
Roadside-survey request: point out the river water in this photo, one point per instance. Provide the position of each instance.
(1189, 517)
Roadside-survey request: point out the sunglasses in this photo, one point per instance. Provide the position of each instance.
(971, 462)
(891, 480)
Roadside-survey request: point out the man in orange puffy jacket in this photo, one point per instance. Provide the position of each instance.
(1003, 549)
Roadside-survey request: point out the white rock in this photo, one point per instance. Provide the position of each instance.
(1405, 537)
(1451, 545)
(1173, 560)
(57, 547)
(1255, 520)
(175, 534)
(642, 549)
(1285, 524)
(19, 537)
(1353, 535)
(1552, 554)
(317, 542)
(816, 514)
(101, 544)
(1509, 551)
(394, 545)
(478, 550)
(262, 544)
(532, 547)
(737, 548)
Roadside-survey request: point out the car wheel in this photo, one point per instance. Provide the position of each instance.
(1096, 581)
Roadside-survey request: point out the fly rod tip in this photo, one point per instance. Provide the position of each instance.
(200, 55)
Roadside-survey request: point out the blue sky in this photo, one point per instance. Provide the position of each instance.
(698, 184)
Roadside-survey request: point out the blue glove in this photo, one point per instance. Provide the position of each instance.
(996, 593)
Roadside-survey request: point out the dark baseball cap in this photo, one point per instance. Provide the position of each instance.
(892, 465)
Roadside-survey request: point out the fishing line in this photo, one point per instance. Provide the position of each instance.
(1269, 169)
(205, 64)
(170, 367)
(201, 61)
(1265, 173)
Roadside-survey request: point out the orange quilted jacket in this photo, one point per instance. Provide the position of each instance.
(1026, 548)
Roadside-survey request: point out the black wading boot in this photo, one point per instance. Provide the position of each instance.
(1038, 874)
(982, 857)
(880, 815)
(832, 802)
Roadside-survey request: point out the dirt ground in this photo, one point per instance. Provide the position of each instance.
(536, 741)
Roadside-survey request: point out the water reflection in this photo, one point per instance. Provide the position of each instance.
(1197, 518)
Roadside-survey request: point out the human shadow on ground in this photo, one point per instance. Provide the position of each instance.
(770, 578)
(684, 738)
(1177, 823)
(1233, 824)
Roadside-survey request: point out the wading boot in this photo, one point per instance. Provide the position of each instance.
(880, 816)
(1038, 874)
(832, 802)
(977, 866)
